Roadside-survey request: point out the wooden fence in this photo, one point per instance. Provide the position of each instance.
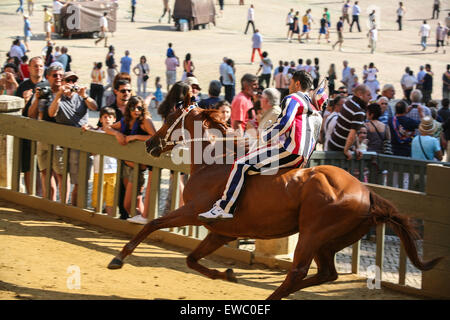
(431, 204)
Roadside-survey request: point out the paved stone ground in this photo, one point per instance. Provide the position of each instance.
(390, 263)
(367, 259)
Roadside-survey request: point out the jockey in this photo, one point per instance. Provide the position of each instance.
(290, 142)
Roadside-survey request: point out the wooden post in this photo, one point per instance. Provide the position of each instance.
(153, 206)
(402, 266)
(118, 184)
(15, 172)
(33, 173)
(82, 178)
(10, 105)
(436, 242)
(63, 197)
(381, 228)
(134, 191)
(100, 180)
(355, 256)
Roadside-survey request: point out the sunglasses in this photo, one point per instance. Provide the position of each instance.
(125, 90)
(57, 75)
(138, 108)
(70, 80)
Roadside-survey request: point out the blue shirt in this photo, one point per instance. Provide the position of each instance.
(26, 28)
(133, 3)
(63, 59)
(125, 64)
(430, 145)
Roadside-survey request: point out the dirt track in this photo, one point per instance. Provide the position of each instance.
(37, 249)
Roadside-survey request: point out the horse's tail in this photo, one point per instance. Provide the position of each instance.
(383, 211)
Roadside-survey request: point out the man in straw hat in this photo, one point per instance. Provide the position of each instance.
(424, 146)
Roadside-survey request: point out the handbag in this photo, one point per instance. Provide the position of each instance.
(145, 77)
(387, 146)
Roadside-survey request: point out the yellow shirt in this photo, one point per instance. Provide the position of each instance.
(305, 19)
(48, 16)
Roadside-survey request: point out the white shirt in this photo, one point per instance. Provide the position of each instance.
(371, 74)
(425, 30)
(104, 22)
(409, 81)
(290, 18)
(223, 69)
(299, 67)
(251, 14)
(441, 33)
(57, 7)
(356, 10)
(373, 34)
(266, 65)
(345, 72)
(400, 11)
(329, 125)
(226, 79)
(109, 164)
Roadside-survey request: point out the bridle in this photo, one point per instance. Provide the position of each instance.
(166, 142)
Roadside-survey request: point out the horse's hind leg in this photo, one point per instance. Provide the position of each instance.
(305, 251)
(326, 270)
(210, 244)
(181, 217)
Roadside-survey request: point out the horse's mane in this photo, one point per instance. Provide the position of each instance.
(212, 119)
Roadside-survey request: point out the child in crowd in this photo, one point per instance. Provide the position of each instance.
(107, 119)
(136, 125)
(158, 93)
(225, 109)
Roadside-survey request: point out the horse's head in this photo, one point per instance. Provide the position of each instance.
(181, 121)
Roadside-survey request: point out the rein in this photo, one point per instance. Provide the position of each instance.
(166, 142)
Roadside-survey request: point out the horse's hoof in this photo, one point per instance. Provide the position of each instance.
(115, 264)
(230, 275)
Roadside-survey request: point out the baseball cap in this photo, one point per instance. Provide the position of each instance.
(191, 81)
(70, 74)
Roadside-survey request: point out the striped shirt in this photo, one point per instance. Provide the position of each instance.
(351, 117)
(297, 128)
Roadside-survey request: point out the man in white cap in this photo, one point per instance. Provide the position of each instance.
(424, 146)
(195, 86)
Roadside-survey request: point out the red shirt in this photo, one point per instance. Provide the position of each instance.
(24, 71)
(239, 109)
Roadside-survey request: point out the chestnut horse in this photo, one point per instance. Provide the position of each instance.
(327, 206)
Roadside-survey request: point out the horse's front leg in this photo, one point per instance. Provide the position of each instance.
(182, 216)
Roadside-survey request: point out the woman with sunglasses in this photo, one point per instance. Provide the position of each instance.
(136, 125)
(179, 93)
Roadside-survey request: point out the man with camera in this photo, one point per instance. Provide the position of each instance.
(41, 100)
(70, 107)
(26, 90)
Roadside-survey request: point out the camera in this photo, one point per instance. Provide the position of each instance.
(44, 92)
(45, 95)
(75, 88)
